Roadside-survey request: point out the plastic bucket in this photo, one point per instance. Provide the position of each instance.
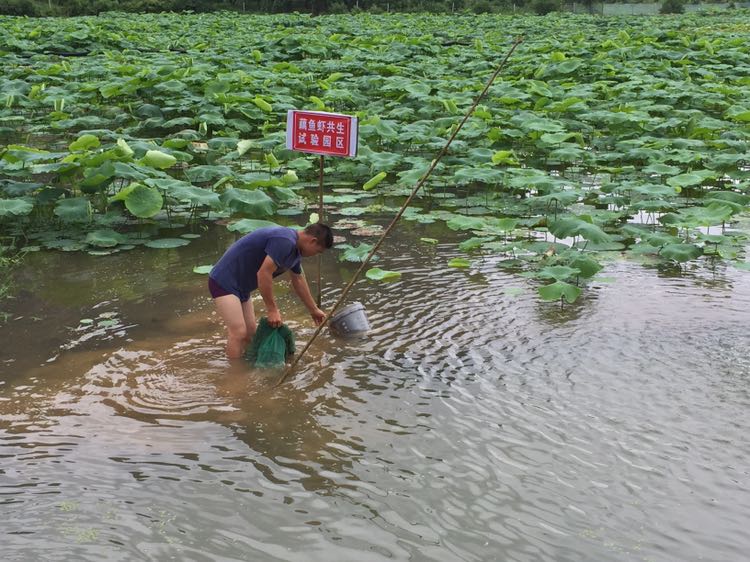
(350, 320)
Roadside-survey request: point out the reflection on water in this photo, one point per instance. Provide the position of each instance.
(473, 423)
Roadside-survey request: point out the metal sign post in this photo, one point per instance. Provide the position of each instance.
(323, 133)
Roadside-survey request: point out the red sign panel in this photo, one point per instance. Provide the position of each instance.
(319, 132)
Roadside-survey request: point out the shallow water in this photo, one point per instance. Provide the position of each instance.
(473, 423)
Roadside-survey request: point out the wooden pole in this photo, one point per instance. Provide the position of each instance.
(320, 219)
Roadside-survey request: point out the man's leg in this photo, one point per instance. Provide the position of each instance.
(232, 312)
(249, 313)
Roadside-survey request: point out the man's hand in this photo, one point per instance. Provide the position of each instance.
(274, 317)
(317, 315)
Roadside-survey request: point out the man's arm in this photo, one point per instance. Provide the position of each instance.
(299, 284)
(265, 286)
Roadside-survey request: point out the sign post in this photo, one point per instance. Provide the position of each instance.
(325, 134)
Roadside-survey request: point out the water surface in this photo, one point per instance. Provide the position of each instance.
(473, 423)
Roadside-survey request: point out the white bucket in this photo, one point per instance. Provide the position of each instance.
(350, 321)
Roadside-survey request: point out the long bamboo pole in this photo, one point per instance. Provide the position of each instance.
(406, 204)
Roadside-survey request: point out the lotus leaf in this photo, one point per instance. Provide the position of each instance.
(578, 226)
(459, 263)
(254, 203)
(680, 252)
(84, 142)
(105, 238)
(355, 253)
(75, 209)
(377, 274)
(248, 225)
(16, 207)
(558, 290)
(143, 201)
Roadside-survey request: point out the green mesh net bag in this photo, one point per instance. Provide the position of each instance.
(270, 346)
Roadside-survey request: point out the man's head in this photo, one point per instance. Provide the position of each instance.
(314, 239)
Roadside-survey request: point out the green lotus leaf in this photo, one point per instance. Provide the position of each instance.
(661, 169)
(105, 238)
(558, 272)
(459, 263)
(133, 172)
(504, 157)
(203, 174)
(166, 243)
(466, 223)
(158, 159)
(586, 266)
(714, 214)
(352, 211)
(576, 226)
(84, 142)
(123, 149)
(383, 160)
(283, 194)
(691, 178)
(374, 181)
(15, 207)
(483, 175)
(559, 138)
(474, 243)
(187, 193)
(377, 274)
(244, 226)
(252, 202)
(75, 209)
(680, 252)
(143, 201)
(355, 253)
(558, 290)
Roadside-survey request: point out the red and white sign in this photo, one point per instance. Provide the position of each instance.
(318, 132)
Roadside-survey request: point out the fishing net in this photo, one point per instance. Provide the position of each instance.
(270, 346)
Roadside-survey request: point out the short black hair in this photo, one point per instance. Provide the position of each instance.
(322, 232)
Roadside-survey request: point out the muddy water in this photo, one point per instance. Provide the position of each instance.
(474, 423)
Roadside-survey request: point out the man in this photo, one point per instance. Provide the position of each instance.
(251, 263)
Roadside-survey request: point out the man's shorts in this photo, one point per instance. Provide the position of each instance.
(216, 290)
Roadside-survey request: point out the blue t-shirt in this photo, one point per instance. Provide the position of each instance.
(237, 270)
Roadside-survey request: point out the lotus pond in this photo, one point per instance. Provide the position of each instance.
(558, 364)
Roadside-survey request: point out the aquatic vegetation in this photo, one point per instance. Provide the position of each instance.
(602, 135)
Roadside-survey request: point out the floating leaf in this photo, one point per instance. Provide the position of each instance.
(203, 269)
(16, 207)
(76, 209)
(377, 274)
(355, 253)
(166, 243)
(105, 238)
(461, 263)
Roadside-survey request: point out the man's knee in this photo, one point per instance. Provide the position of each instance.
(237, 332)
